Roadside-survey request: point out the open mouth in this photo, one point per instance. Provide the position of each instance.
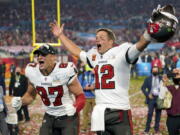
(98, 46)
(41, 63)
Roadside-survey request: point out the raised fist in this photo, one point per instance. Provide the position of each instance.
(16, 103)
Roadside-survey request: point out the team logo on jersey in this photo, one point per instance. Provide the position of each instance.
(93, 57)
(113, 57)
(46, 81)
(56, 79)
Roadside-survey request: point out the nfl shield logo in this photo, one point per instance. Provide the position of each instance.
(94, 57)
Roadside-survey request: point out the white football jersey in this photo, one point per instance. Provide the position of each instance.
(53, 88)
(112, 76)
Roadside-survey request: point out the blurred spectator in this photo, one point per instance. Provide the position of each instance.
(18, 86)
(168, 63)
(2, 82)
(156, 61)
(162, 59)
(178, 63)
(86, 78)
(128, 24)
(3, 113)
(12, 68)
(151, 90)
(175, 58)
(146, 57)
(3, 68)
(173, 119)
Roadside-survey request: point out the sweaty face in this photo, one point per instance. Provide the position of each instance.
(103, 42)
(45, 61)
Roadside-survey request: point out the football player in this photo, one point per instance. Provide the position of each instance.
(112, 115)
(59, 89)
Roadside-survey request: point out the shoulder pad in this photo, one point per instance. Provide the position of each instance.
(32, 65)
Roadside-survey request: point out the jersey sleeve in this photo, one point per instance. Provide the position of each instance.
(132, 54)
(89, 57)
(126, 49)
(29, 70)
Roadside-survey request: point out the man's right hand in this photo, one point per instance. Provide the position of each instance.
(56, 29)
(16, 103)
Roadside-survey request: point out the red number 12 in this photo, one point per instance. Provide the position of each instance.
(108, 73)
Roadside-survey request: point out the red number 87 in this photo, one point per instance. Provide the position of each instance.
(51, 90)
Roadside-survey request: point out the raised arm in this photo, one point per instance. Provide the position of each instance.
(160, 27)
(143, 42)
(70, 45)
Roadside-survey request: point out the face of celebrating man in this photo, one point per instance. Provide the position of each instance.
(103, 42)
(46, 61)
(46, 57)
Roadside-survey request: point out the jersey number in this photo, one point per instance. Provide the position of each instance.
(44, 96)
(108, 73)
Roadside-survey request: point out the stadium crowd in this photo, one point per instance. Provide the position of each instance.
(121, 16)
(82, 18)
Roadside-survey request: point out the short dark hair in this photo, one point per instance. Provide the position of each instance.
(110, 33)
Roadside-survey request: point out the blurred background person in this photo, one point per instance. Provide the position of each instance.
(2, 82)
(173, 118)
(156, 61)
(18, 86)
(4, 68)
(12, 72)
(86, 78)
(151, 90)
(3, 113)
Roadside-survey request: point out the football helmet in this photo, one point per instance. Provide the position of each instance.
(163, 23)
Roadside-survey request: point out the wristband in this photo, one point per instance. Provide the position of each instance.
(80, 102)
(146, 36)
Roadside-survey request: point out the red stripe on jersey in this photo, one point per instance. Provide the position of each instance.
(63, 65)
(78, 125)
(130, 121)
(121, 115)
